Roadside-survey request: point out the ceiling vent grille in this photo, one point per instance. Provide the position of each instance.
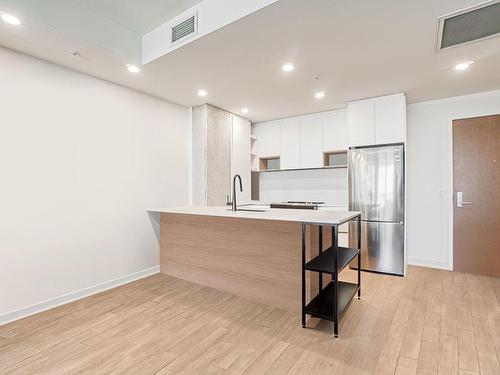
(184, 30)
(470, 25)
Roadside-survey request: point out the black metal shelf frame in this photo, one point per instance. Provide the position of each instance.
(333, 300)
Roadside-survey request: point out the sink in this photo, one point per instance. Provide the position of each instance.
(248, 210)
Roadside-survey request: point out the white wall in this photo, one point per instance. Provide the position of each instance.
(430, 174)
(80, 162)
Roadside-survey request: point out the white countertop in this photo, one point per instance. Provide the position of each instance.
(321, 216)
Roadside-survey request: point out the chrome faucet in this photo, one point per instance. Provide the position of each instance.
(233, 206)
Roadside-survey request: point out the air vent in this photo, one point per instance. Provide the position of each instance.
(470, 25)
(184, 30)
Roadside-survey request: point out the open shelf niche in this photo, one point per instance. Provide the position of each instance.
(336, 159)
(269, 164)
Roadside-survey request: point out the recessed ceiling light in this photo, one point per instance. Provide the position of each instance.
(288, 67)
(10, 19)
(320, 95)
(133, 69)
(464, 65)
(202, 92)
(244, 110)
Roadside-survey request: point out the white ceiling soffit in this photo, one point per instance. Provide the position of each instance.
(209, 15)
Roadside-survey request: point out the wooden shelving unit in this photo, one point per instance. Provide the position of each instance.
(254, 158)
(332, 301)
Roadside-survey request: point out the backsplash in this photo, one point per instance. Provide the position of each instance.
(328, 185)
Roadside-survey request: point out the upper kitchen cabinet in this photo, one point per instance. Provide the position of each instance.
(311, 141)
(390, 119)
(335, 131)
(290, 144)
(377, 121)
(268, 139)
(361, 122)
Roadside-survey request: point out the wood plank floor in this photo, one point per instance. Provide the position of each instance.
(431, 322)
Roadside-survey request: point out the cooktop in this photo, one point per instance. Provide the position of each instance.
(298, 205)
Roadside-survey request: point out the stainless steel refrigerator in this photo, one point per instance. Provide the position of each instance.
(376, 188)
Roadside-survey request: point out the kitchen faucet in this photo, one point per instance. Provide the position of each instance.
(233, 206)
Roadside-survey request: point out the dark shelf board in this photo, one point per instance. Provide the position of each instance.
(324, 262)
(303, 169)
(323, 304)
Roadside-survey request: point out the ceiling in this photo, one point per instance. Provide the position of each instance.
(114, 25)
(139, 16)
(357, 48)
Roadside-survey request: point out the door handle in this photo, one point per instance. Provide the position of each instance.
(460, 200)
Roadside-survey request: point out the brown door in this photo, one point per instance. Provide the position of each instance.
(476, 180)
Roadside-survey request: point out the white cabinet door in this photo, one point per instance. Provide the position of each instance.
(361, 120)
(240, 157)
(311, 141)
(335, 131)
(390, 119)
(268, 139)
(290, 144)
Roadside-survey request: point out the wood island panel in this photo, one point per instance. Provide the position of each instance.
(256, 259)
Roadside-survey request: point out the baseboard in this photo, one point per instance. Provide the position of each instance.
(431, 263)
(73, 296)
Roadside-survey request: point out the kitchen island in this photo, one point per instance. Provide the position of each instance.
(251, 253)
